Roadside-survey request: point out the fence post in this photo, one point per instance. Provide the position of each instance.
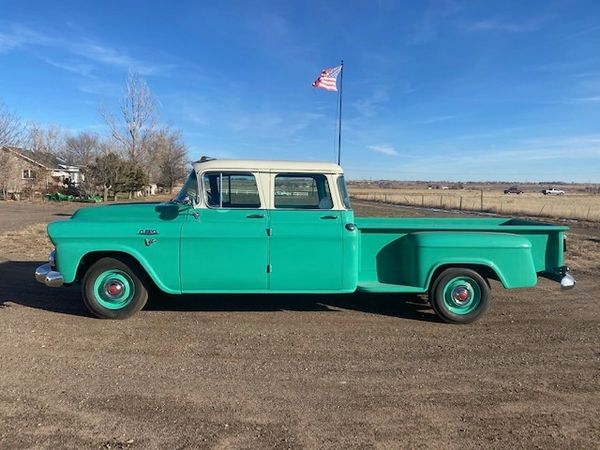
(422, 200)
(441, 201)
(460, 206)
(481, 204)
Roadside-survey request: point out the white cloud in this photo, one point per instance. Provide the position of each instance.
(112, 57)
(434, 18)
(503, 26)
(367, 106)
(435, 119)
(99, 87)
(384, 149)
(18, 36)
(82, 69)
(590, 99)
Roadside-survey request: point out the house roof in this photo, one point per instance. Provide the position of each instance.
(42, 159)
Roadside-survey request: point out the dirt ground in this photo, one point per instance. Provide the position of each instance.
(294, 371)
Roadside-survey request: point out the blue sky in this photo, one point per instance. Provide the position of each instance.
(445, 90)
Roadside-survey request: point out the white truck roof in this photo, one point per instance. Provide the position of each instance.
(257, 165)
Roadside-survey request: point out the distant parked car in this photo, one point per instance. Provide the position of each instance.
(553, 191)
(513, 190)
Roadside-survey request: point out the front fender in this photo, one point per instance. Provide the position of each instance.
(160, 259)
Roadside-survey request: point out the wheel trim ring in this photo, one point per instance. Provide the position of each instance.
(114, 277)
(458, 285)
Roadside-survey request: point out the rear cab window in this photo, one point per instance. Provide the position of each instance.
(231, 190)
(341, 184)
(302, 191)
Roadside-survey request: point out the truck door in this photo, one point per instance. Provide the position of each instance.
(224, 248)
(306, 235)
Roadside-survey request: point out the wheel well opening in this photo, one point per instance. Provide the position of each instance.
(485, 271)
(90, 258)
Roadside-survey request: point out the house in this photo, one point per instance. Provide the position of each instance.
(24, 171)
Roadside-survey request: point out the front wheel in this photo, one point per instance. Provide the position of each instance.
(113, 289)
(459, 295)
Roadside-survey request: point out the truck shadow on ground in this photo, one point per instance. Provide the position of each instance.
(18, 286)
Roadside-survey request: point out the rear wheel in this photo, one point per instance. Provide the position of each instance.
(459, 295)
(113, 289)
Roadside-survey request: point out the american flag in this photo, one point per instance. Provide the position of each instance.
(327, 79)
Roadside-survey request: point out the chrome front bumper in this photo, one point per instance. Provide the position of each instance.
(45, 274)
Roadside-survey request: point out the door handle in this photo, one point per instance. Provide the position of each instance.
(255, 216)
(328, 217)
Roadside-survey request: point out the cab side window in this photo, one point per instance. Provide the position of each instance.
(302, 191)
(231, 190)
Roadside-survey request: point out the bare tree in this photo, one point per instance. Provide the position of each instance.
(10, 128)
(137, 122)
(45, 142)
(9, 173)
(10, 135)
(81, 149)
(169, 158)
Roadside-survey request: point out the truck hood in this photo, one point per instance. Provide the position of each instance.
(130, 212)
(113, 220)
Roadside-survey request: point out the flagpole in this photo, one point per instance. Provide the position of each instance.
(339, 155)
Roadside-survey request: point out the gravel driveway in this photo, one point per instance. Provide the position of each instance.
(295, 371)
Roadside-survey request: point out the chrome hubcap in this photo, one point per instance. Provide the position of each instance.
(114, 288)
(461, 295)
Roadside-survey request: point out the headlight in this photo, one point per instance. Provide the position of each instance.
(52, 258)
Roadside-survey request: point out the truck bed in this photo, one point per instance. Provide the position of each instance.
(402, 254)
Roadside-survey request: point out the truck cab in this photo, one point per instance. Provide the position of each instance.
(259, 226)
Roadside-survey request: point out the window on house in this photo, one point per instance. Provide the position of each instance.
(300, 191)
(28, 174)
(231, 190)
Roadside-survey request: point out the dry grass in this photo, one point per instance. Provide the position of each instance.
(570, 206)
(29, 244)
(583, 252)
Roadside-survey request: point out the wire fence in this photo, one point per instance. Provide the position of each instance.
(578, 207)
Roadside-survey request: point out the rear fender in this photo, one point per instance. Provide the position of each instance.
(507, 255)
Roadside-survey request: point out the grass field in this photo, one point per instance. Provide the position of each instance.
(569, 206)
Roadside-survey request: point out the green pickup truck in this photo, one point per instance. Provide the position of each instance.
(240, 226)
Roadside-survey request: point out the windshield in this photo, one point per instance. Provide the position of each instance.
(189, 191)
